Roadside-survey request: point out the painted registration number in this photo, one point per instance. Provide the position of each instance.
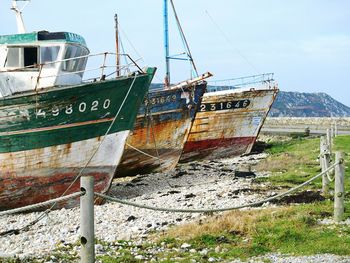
(227, 105)
(69, 109)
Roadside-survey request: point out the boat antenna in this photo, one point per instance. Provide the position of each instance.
(117, 46)
(19, 19)
(166, 45)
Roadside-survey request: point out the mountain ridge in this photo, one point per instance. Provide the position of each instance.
(303, 104)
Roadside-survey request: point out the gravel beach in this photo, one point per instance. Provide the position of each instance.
(206, 184)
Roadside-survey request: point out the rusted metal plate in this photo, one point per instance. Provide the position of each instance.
(161, 130)
(228, 123)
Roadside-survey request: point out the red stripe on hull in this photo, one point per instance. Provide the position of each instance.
(216, 148)
(24, 190)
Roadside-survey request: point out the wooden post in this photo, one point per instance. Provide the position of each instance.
(339, 190)
(324, 162)
(329, 140)
(322, 142)
(87, 231)
(335, 129)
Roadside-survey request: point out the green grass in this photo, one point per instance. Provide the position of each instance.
(293, 230)
(293, 162)
(289, 230)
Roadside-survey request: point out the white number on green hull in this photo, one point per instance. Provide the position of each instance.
(69, 109)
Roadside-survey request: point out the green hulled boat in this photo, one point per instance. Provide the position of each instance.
(54, 126)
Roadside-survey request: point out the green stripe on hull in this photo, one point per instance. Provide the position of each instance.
(69, 114)
(41, 139)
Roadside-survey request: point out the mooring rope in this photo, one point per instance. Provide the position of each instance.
(42, 204)
(180, 210)
(331, 179)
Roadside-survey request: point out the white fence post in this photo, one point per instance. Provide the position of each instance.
(87, 230)
(339, 190)
(329, 140)
(335, 129)
(324, 162)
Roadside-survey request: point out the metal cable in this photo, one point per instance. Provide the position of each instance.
(179, 210)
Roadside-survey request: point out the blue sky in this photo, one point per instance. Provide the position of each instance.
(306, 43)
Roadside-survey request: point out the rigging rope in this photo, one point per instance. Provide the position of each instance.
(182, 34)
(149, 115)
(229, 42)
(142, 152)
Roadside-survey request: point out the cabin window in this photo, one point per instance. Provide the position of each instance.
(75, 65)
(49, 54)
(30, 56)
(13, 58)
(19, 57)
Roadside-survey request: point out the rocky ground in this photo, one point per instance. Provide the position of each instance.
(206, 184)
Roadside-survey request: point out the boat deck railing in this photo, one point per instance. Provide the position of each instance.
(101, 66)
(261, 80)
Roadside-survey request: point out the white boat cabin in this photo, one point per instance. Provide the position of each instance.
(34, 61)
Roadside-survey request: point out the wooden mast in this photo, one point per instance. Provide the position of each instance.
(117, 45)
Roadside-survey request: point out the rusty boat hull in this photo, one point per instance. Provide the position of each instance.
(161, 130)
(228, 123)
(50, 138)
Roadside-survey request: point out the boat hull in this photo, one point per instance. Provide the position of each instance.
(161, 130)
(228, 123)
(50, 138)
(34, 176)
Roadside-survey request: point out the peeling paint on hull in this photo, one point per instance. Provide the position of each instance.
(48, 137)
(158, 138)
(24, 190)
(34, 176)
(227, 123)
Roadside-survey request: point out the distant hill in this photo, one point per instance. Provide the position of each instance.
(297, 104)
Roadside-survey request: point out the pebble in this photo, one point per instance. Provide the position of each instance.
(185, 246)
(139, 257)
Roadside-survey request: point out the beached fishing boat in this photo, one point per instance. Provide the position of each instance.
(55, 127)
(163, 122)
(161, 130)
(230, 117)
